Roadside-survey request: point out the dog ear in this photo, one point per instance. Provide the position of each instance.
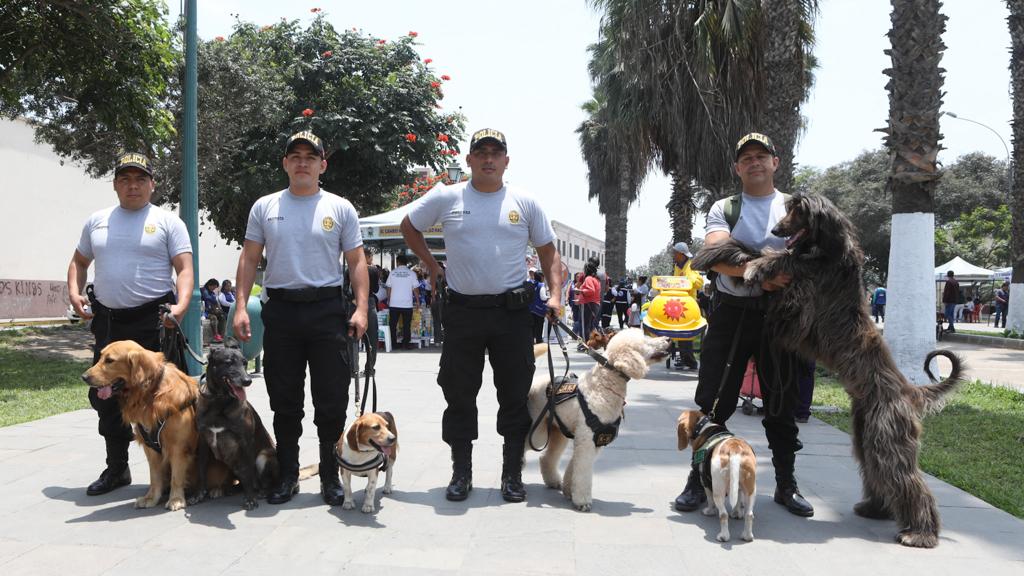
(390, 419)
(353, 436)
(683, 430)
(140, 366)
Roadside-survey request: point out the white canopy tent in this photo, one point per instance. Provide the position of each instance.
(383, 230)
(1003, 273)
(963, 270)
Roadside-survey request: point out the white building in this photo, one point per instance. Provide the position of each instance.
(576, 246)
(45, 203)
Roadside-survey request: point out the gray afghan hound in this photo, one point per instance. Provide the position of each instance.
(822, 315)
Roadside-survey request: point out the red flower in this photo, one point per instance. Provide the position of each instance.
(314, 10)
(382, 41)
(410, 137)
(413, 34)
(428, 60)
(307, 112)
(328, 54)
(435, 84)
(446, 77)
(442, 137)
(219, 38)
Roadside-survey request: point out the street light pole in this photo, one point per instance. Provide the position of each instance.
(189, 210)
(1009, 161)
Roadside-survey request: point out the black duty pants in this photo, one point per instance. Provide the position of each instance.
(777, 372)
(622, 311)
(406, 315)
(505, 336)
(142, 326)
(297, 334)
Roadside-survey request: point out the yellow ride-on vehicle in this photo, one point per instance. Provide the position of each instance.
(674, 312)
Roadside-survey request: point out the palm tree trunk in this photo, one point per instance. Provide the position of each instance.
(615, 236)
(681, 207)
(785, 82)
(1015, 319)
(912, 137)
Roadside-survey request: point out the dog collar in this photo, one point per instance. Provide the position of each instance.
(379, 462)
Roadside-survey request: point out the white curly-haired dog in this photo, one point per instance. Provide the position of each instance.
(630, 353)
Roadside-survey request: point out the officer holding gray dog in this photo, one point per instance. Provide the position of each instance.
(305, 232)
(487, 229)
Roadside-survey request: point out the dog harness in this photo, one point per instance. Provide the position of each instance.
(714, 435)
(151, 438)
(380, 461)
(566, 388)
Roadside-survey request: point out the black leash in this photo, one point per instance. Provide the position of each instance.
(173, 340)
(728, 364)
(549, 408)
(369, 371)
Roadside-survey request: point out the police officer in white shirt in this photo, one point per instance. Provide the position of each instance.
(487, 229)
(135, 246)
(305, 231)
(403, 295)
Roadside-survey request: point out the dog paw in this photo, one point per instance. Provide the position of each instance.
(583, 507)
(175, 504)
(249, 503)
(146, 502)
(348, 505)
(710, 511)
(723, 536)
(754, 272)
(736, 513)
(368, 508)
(197, 498)
(386, 489)
(747, 536)
(216, 493)
(553, 484)
(918, 539)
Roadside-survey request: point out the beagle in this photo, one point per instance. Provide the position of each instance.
(369, 447)
(727, 468)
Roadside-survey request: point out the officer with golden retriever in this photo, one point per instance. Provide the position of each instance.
(143, 259)
(305, 231)
(487, 229)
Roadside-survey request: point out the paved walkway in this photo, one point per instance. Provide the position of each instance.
(49, 526)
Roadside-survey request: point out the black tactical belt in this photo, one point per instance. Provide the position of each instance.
(747, 303)
(304, 294)
(476, 300)
(128, 314)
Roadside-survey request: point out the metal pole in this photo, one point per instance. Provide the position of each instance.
(189, 210)
(1009, 161)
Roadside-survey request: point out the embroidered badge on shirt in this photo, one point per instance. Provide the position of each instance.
(327, 224)
(150, 229)
(513, 216)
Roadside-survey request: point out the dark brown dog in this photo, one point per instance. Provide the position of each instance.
(599, 339)
(159, 401)
(231, 429)
(822, 314)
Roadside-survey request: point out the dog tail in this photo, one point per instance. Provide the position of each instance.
(309, 471)
(734, 480)
(933, 396)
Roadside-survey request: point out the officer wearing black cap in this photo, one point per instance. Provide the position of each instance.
(135, 246)
(737, 329)
(305, 231)
(488, 226)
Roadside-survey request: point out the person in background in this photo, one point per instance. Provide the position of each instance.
(635, 314)
(950, 295)
(607, 304)
(643, 289)
(878, 303)
(539, 306)
(403, 295)
(590, 301)
(227, 295)
(213, 310)
(622, 300)
(1002, 304)
(574, 303)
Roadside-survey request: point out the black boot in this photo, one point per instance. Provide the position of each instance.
(693, 494)
(786, 491)
(288, 463)
(116, 474)
(330, 485)
(462, 472)
(512, 489)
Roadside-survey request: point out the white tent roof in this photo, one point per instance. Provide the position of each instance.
(1003, 273)
(383, 229)
(963, 270)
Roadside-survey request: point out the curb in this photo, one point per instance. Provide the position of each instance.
(990, 341)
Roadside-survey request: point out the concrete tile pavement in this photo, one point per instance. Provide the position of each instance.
(48, 525)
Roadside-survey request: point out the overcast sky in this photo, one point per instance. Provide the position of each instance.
(521, 67)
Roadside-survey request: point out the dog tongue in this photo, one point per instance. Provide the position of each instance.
(386, 450)
(105, 392)
(239, 392)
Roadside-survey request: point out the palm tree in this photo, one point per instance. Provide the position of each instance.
(912, 138)
(788, 72)
(616, 169)
(1016, 24)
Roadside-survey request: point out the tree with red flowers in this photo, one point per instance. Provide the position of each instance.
(371, 101)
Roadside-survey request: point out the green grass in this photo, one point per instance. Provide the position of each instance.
(32, 387)
(980, 333)
(976, 443)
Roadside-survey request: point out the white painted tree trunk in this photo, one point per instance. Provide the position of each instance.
(910, 308)
(1015, 318)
